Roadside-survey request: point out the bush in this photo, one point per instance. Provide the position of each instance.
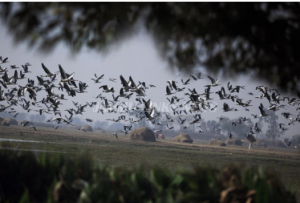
(234, 141)
(26, 178)
(296, 140)
(270, 143)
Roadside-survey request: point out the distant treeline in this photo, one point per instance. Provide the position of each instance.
(24, 177)
(211, 127)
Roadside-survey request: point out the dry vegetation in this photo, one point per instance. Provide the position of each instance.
(183, 137)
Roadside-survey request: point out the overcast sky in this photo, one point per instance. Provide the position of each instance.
(136, 57)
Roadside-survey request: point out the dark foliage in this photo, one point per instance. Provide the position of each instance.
(261, 38)
(26, 178)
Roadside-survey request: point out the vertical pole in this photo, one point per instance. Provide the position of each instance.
(250, 145)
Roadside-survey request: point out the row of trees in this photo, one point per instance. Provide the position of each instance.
(272, 132)
(24, 116)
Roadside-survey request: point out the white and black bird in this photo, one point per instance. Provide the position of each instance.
(32, 127)
(151, 115)
(112, 79)
(185, 82)
(116, 135)
(168, 91)
(213, 82)
(106, 89)
(24, 123)
(48, 73)
(170, 127)
(226, 108)
(97, 79)
(262, 111)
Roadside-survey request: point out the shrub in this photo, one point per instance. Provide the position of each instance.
(25, 177)
(234, 141)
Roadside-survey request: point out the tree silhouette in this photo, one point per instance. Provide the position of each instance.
(273, 131)
(77, 121)
(261, 38)
(37, 118)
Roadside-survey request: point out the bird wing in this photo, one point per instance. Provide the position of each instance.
(147, 114)
(46, 69)
(5, 77)
(292, 100)
(150, 103)
(15, 75)
(273, 96)
(40, 79)
(223, 90)
(195, 78)
(72, 81)
(106, 103)
(4, 85)
(211, 79)
(248, 102)
(62, 72)
(262, 112)
(225, 106)
(123, 81)
(132, 83)
(104, 87)
(199, 75)
(168, 90)
(121, 92)
(228, 86)
(31, 92)
(174, 85)
(152, 113)
(81, 87)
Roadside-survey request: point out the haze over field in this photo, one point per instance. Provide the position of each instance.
(137, 57)
(131, 90)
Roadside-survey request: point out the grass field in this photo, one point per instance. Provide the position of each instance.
(104, 148)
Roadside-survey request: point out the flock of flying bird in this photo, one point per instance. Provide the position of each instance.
(13, 94)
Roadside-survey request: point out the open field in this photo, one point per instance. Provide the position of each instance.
(104, 148)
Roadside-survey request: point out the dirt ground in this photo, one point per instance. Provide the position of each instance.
(64, 135)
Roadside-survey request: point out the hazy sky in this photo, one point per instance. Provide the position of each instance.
(136, 57)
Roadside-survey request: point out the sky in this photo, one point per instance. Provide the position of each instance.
(138, 57)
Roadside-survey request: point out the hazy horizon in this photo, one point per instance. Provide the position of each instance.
(137, 57)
